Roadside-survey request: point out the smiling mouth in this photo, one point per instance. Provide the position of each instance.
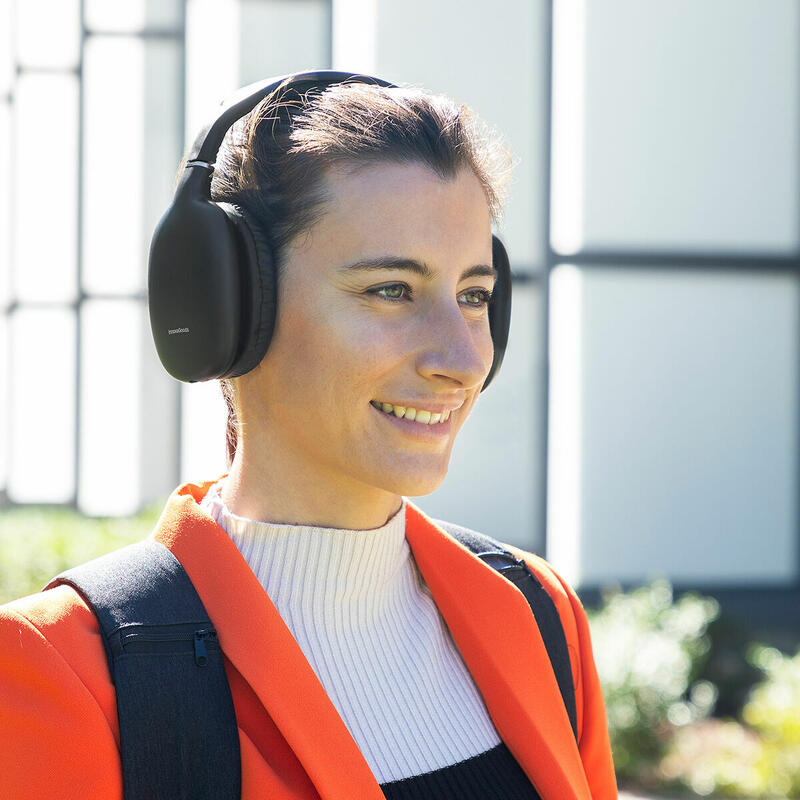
(417, 415)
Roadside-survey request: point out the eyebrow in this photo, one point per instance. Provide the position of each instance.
(412, 265)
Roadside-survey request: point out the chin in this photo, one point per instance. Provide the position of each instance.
(414, 485)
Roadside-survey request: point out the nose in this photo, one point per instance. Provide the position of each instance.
(456, 347)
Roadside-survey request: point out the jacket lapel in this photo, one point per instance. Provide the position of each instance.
(488, 617)
(258, 643)
(497, 636)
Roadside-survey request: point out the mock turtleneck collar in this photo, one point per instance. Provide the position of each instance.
(296, 562)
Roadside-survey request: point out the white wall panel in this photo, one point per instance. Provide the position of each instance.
(494, 60)
(128, 411)
(676, 129)
(42, 406)
(281, 36)
(495, 481)
(673, 426)
(110, 424)
(251, 40)
(131, 153)
(5, 419)
(48, 33)
(46, 187)
(203, 425)
(7, 46)
(133, 15)
(6, 187)
(212, 26)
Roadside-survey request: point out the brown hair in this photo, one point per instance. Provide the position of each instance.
(273, 161)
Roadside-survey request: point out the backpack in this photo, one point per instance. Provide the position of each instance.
(178, 734)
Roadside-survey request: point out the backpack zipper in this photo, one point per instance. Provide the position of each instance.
(201, 638)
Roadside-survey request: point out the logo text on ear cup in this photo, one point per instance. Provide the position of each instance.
(177, 330)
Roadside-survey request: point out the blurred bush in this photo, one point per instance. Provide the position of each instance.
(773, 710)
(649, 650)
(36, 543)
(757, 759)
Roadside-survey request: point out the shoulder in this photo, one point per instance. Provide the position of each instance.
(570, 610)
(58, 716)
(52, 643)
(559, 590)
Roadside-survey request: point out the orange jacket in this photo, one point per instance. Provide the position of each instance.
(59, 735)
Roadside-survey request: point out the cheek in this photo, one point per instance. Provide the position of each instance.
(333, 350)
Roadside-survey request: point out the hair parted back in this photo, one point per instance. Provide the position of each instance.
(273, 161)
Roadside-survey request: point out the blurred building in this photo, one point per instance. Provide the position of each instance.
(645, 421)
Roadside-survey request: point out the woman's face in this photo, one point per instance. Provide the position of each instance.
(349, 336)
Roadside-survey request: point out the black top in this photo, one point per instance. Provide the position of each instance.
(493, 775)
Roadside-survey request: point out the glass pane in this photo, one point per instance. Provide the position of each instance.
(6, 188)
(42, 406)
(46, 188)
(673, 131)
(110, 406)
(380, 40)
(674, 426)
(493, 483)
(5, 422)
(113, 147)
(48, 33)
(211, 26)
(203, 419)
(163, 127)
(133, 15)
(6, 47)
(133, 122)
(304, 39)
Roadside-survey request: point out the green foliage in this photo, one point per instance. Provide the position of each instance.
(758, 759)
(36, 543)
(773, 710)
(716, 756)
(649, 650)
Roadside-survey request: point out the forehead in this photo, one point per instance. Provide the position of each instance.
(405, 210)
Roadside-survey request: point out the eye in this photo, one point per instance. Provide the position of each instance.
(483, 297)
(391, 290)
(397, 292)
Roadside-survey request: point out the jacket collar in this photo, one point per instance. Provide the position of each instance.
(495, 633)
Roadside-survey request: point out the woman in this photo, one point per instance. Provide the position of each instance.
(368, 653)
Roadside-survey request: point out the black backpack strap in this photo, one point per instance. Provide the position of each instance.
(542, 605)
(178, 733)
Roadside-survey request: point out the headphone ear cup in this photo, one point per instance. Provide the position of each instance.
(194, 290)
(499, 307)
(259, 287)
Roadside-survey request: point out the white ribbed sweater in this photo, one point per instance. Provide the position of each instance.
(364, 618)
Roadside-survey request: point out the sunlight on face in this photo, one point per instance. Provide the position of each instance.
(349, 336)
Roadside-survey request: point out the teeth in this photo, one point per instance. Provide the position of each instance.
(418, 415)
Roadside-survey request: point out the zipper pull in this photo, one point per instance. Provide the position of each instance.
(200, 653)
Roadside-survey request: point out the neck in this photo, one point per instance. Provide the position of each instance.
(261, 486)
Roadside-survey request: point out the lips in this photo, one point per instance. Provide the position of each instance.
(423, 416)
(424, 431)
(432, 405)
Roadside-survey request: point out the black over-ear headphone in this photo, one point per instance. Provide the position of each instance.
(211, 276)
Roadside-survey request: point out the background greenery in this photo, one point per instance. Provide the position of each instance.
(36, 543)
(654, 652)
